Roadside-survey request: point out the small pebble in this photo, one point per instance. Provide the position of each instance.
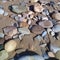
(1, 11)
(44, 33)
(5, 13)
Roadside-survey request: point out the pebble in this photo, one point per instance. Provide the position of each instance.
(51, 54)
(39, 38)
(46, 24)
(29, 22)
(38, 7)
(10, 46)
(54, 49)
(56, 28)
(24, 25)
(37, 29)
(52, 33)
(32, 1)
(5, 14)
(18, 8)
(56, 16)
(57, 55)
(1, 11)
(3, 55)
(44, 33)
(24, 30)
(1, 35)
(10, 30)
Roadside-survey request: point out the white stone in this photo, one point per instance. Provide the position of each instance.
(5, 13)
(52, 33)
(1, 11)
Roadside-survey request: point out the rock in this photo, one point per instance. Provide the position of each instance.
(3, 55)
(1, 35)
(46, 24)
(56, 16)
(24, 25)
(54, 49)
(24, 30)
(5, 13)
(51, 54)
(37, 29)
(10, 30)
(38, 7)
(20, 19)
(52, 33)
(44, 33)
(29, 22)
(56, 28)
(1, 11)
(57, 55)
(32, 1)
(10, 46)
(19, 8)
(39, 38)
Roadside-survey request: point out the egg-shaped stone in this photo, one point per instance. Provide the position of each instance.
(10, 46)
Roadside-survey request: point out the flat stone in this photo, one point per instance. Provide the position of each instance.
(37, 29)
(10, 30)
(24, 30)
(18, 8)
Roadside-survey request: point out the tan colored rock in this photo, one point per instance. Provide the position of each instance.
(33, 1)
(38, 7)
(37, 29)
(10, 46)
(50, 54)
(10, 31)
(56, 16)
(46, 24)
(24, 25)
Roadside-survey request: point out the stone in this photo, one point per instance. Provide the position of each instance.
(10, 46)
(39, 38)
(51, 54)
(46, 24)
(1, 11)
(3, 55)
(24, 30)
(32, 1)
(19, 8)
(44, 33)
(24, 25)
(5, 14)
(10, 30)
(56, 16)
(38, 7)
(1, 35)
(56, 28)
(57, 55)
(37, 29)
(54, 49)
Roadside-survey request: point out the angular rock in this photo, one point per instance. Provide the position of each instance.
(10, 30)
